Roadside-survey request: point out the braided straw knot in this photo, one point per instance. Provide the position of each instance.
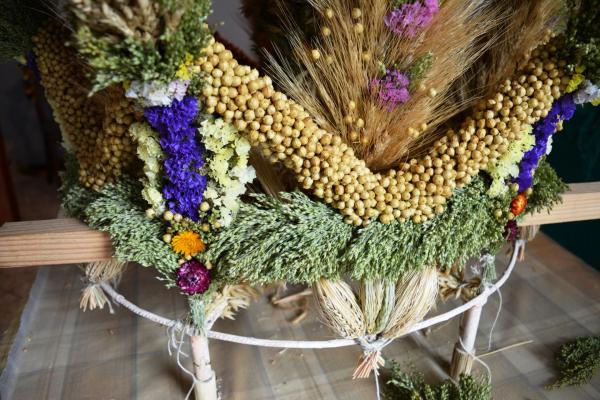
(371, 360)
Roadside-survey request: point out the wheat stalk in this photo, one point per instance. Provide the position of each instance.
(338, 308)
(415, 295)
(371, 295)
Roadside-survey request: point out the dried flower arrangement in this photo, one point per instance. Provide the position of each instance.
(414, 133)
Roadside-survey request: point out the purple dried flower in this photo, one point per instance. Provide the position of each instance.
(563, 109)
(410, 19)
(183, 155)
(511, 230)
(392, 89)
(193, 277)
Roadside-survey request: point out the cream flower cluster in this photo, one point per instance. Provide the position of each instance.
(227, 168)
(157, 93)
(508, 164)
(150, 152)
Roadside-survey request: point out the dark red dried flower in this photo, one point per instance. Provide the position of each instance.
(511, 230)
(193, 277)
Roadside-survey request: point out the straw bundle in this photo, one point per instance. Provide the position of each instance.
(386, 310)
(229, 300)
(415, 295)
(108, 271)
(338, 306)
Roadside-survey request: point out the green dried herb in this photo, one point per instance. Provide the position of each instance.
(578, 361)
(412, 386)
(547, 188)
(418, 69)
(300, 240)
(118, 209)
(579, 44)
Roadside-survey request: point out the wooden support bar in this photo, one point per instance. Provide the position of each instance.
(206, 384)
(49, 242)
(464, 349)
(68, 241)
(580, 203)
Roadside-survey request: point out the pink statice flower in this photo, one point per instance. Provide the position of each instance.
(411, 18)
(391, 90)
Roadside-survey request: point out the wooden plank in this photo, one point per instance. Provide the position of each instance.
(580, 203)
(68, 241)
(49, 242)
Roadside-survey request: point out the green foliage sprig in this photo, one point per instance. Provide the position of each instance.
(547, 188)
(580, 41)
(131, 54)
(462, 231)
(578, 361)
(293, 238)
(412, 386)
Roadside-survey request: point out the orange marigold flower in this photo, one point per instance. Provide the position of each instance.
(187, 243)
(517, 206)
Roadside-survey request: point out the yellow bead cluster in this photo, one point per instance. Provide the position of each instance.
(94, 128)
(327, 166)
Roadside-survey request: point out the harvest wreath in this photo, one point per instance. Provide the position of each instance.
(397, 140)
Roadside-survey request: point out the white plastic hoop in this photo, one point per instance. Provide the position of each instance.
(479, 300)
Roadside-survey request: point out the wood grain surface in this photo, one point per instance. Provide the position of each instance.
(50, 242)
(580, 203)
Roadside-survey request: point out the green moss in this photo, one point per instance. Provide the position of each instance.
(578, 361)
(412, 386)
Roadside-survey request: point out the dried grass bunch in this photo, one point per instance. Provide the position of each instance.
(109, 271)
(230, 299)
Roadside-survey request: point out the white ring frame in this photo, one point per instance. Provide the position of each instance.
(479, 300)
